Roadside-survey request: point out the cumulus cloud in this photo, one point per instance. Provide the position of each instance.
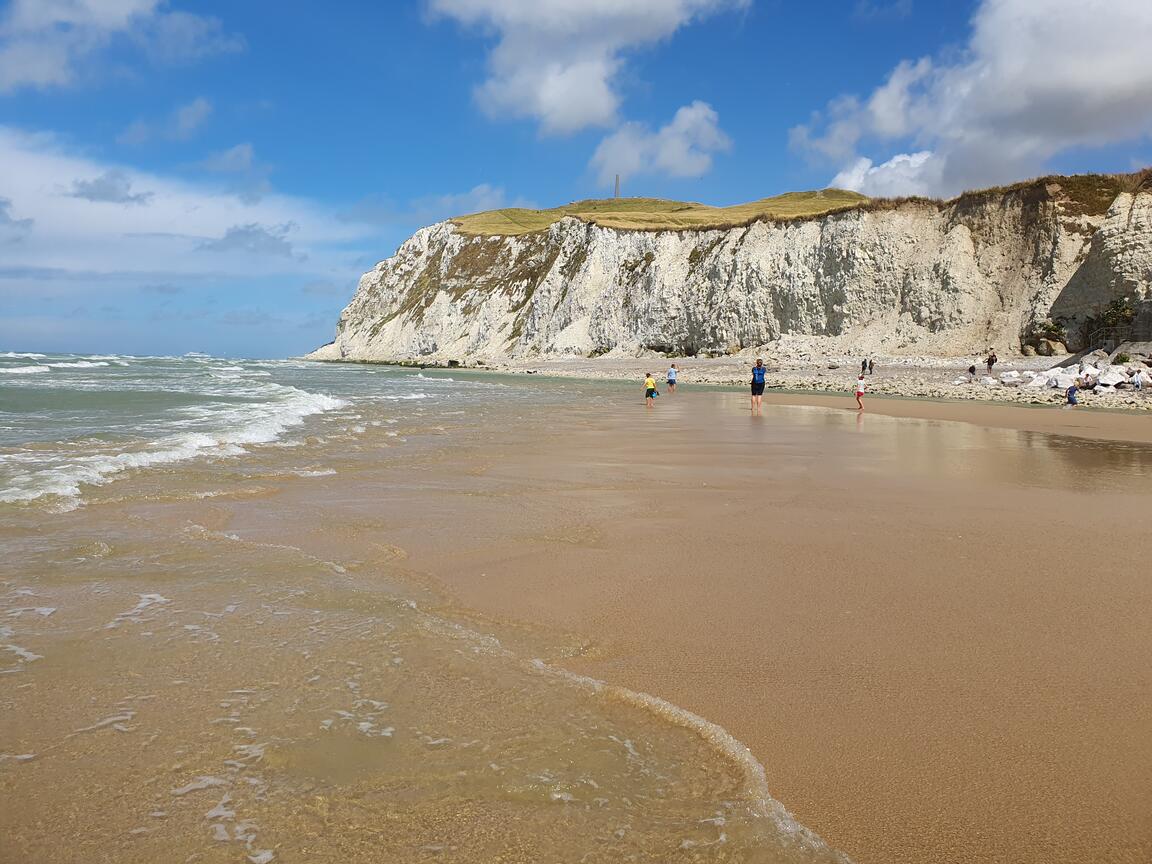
(46, 43)
(559, 61)
(111, 187)
(1033, 81)
(180, 125)
(158, 243)
(682, 148)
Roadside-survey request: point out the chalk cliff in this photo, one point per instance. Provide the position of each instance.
(914, 276)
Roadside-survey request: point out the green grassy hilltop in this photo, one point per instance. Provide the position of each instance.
(1078, 194)
(657, 214)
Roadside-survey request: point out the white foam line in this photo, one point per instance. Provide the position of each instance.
(24, 370)
(271, 420)
(713, 734)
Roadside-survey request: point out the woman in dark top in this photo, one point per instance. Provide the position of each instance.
(758, 372)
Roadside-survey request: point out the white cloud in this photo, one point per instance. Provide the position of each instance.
(903, 174)
(180, 125)
(183, 230)
(1033, 81)
(47, 43)
(682, 148)
(559, 60)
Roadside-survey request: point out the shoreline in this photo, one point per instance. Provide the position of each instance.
(924, 377)
(1101, 421)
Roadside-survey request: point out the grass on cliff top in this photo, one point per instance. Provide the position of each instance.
(1090, 194)
(656, 214)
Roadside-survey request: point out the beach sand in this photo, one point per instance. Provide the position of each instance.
(935, 635)
(930, 622)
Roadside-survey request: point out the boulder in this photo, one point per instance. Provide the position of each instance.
(1028, 351)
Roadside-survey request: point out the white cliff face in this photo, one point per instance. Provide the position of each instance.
(916, 278)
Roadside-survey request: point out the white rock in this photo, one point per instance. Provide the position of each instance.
(948, 280)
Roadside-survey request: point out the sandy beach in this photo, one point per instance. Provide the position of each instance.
(799, 366)
(929, 623)
(917, 625)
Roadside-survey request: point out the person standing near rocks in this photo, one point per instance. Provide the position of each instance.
(673, 372)
(863, 366)
(991, 361)
(972, 373)
(861, 386)
(758, 372)
(1070, 394)
(871, 365)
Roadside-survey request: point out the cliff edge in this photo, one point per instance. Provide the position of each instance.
(990, 268)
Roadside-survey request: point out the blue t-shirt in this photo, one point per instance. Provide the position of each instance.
(758, 374)
(671, 374)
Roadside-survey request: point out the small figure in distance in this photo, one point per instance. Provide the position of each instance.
(860, 387)
(1070, 394)
(650, 393)
(758, 372)
(863, 366)
(991, 361)
(672, 373)
(971, 373)
(871, 365)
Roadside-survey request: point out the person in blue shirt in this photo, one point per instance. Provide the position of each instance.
(758, 372)
(1070, 394)
(672, 374)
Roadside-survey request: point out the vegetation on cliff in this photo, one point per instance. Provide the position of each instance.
(1084, 194)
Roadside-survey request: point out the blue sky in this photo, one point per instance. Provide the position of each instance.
(196, 176)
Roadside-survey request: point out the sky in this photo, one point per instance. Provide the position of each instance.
(184, 176)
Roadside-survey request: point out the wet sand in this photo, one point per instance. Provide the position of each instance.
(936, 636)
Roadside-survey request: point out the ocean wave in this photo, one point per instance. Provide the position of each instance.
(258, 423)
(78, 364)
(23, 355)
(24, 370)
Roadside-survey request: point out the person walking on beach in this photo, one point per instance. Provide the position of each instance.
(649, 389)
(758, 372)
(672, 373)
(971, 373)
(863, 366)
(860, 388)
(991, 361)
(871, 366)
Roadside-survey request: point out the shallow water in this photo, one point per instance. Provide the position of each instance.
(180, 682)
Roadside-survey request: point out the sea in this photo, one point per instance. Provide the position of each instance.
(215, 645)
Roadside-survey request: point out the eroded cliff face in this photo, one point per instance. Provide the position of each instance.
(919, 278)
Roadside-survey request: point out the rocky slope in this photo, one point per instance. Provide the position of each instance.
(914, 276)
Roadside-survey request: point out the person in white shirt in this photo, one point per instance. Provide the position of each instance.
(861, 386)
